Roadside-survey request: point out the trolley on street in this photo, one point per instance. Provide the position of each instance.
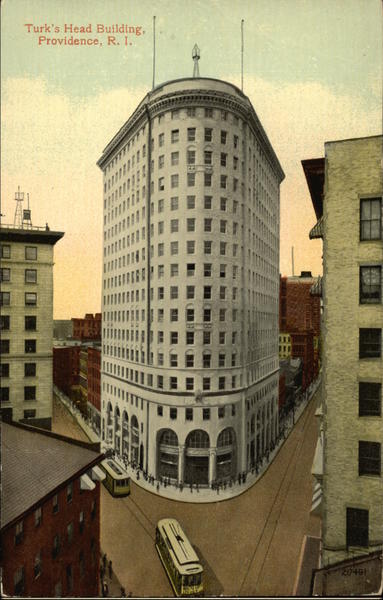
(180, 560)
(116, 481)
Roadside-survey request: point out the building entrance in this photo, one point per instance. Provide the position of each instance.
(197, 470)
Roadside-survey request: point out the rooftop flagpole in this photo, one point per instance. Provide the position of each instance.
(242, 22)
(154, 52)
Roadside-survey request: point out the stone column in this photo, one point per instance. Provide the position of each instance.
(181, 463)
(212, 465)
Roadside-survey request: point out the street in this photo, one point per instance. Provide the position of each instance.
(248, 545)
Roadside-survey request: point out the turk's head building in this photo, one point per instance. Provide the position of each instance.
(190, 284)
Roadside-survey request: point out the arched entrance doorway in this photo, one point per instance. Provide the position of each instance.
(226, 454)
(134, 440)
(197, 457)
(167, 454)
(125, 433)
(117, 430)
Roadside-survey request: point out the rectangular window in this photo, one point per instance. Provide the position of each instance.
(221, 359)
(371, 219)
(221, 412)
(189, 361)
(4, 369)
(207, 292)
(31, 252)
(4, 322)
(207, 270)
(190, 315)
(69, 492)
(5, 275)
(173, 360)
(370, 281)
(30, 323)
(38, 516)
(173, 411)
(190, 247)
(206, 414)
(223, 137)
(221, 383)
(173, 270)
(175, 135)
(30, 299)
(191, 179)
(189, 414)
(174, 337)
(173, 315)
(161, 161)
(190, 292)
(160, 411)
(206, 360)
(173, 248)
(174, 180)
(161, 139)
(207, 179)
(4, 394)
(173, 292)
(207, 225)
(173, 386)
(175, 156)
(160, 382)
(190, 269)
(30, 346)
(174, 225)
(222, 337)
(174, 203)
(370, 399)
(207, 202)
(208, 134)
(190, 338)
(206, 383)
(191, 112)
(207, 246)
(191, 157)
(206, 315)
(5, 251)
(223, 203)
(191, 134)
(370, 343)
(161, 184)
(369, 458)
(5, 298)
(208, 154)
(190, 202)
(207, 337)
(209, 113)
(223, 181)
(30, 392)
(55, 504)
(357, 527)
(175, 114)
(19, 532)
(223, 159)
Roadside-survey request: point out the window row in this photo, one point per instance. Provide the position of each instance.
(29, 346)
(30, 252)
(208, 134)
(29, 369)
(30, 323)
(222, 360)
(30, 275)
(191, 179)
(191, 158)
(190, 315)
(30, 299)
(29, 393)
(189, 413)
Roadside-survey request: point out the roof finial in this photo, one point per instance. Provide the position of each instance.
(196, 56)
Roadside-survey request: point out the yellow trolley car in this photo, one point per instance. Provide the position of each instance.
(116, 481)
(179, 559)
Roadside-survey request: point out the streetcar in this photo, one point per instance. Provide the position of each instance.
(116, 481)
(179, 559)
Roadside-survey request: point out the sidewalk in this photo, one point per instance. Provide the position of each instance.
(114, 585)
(187, 494)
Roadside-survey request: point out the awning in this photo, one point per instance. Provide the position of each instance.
(316, 504)
(97, 474)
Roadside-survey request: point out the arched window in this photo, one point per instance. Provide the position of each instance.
(189, 359)
(225, 438)
(198, 439)
(169, 438)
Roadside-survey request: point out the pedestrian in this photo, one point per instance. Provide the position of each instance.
(102, 572)
(104, 561)
(122, 592)
(110, 569)
(158, 487)
(105, 589)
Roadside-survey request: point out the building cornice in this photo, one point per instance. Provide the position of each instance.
(192, 98)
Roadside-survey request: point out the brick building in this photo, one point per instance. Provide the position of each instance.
(88, 328)
(299, 324)
(94, 386)
(66, 368)
(346, 191)
(50, 506)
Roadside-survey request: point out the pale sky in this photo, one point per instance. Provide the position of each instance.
(312, 69)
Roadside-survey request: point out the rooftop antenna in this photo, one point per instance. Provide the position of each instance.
(196, 54)
(292, 259)
(242, 22)
(19, 197)
(154, 52)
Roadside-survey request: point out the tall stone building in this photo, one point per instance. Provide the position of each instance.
(26, 323)
(346, 190)
(190, 284)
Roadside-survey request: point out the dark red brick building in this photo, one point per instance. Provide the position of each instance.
(299, 316)
(88, 328)
(50, 505)
(94, 386)
(66, 368)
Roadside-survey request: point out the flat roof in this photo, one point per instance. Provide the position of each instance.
(35, 464)
(38, 235)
